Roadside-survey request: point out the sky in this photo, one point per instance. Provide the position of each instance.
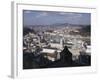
(31, 17)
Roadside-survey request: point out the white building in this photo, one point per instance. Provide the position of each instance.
(51, 54)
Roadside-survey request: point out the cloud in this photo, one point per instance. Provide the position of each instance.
(62, 13)
(72, 17)
(42, 14)
(27, 11)
(75, 15)
(71, 14)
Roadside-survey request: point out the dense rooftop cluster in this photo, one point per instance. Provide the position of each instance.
(49, 46)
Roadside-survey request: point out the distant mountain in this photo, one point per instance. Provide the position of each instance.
(52, 26)
(57, 25)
